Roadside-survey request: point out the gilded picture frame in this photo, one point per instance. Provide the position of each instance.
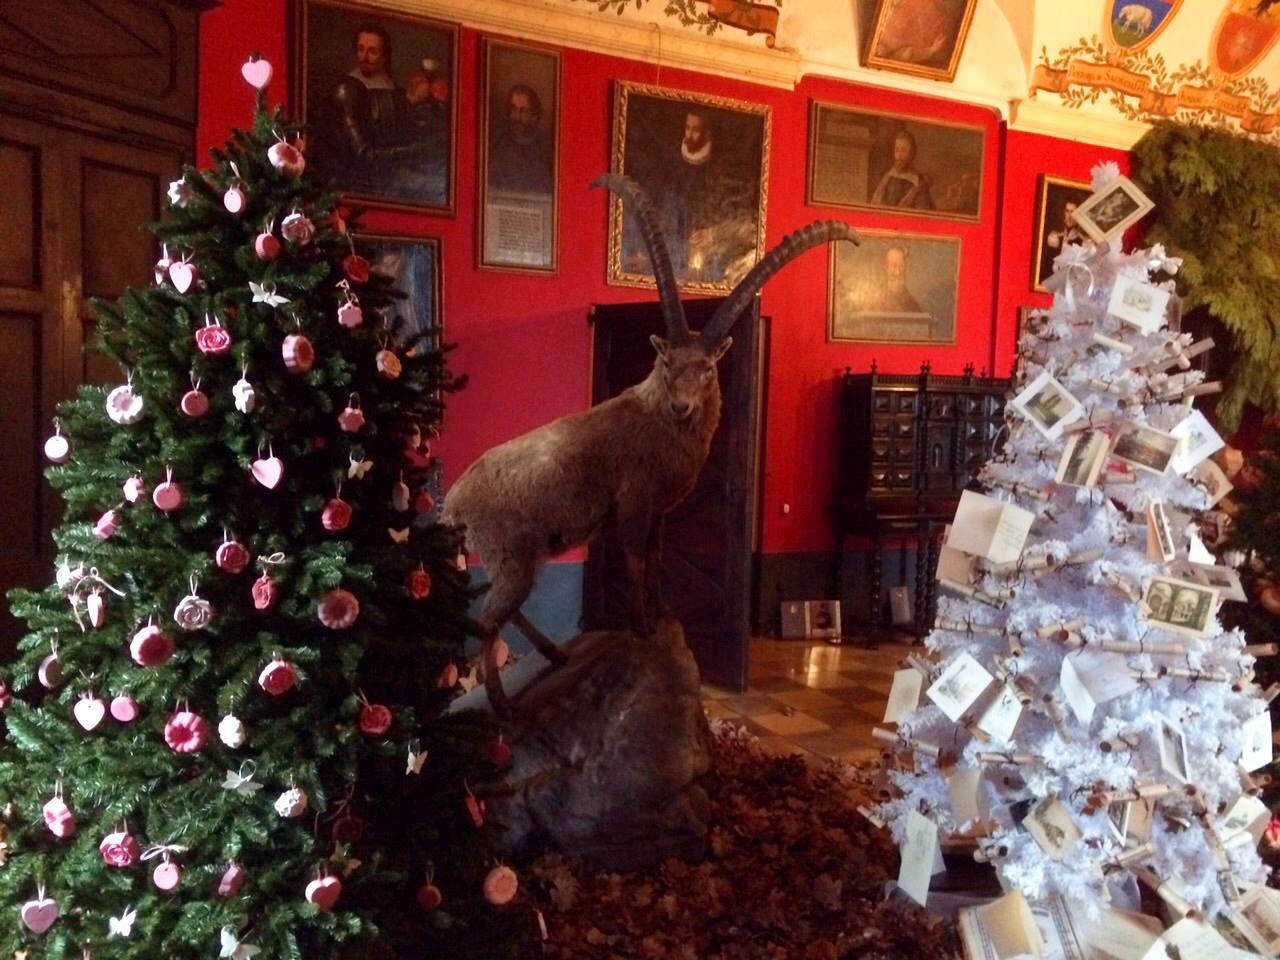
(518, 218)
(1057, 199)
(704, 160)
(894, 287)
(898, 40)
(378, 89)
(852, 163)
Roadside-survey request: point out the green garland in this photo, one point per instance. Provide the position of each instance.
(1216, 207)
(686, 11)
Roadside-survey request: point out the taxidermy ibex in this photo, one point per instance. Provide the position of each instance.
(627, 460)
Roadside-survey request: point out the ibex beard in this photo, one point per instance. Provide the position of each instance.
(625, 462)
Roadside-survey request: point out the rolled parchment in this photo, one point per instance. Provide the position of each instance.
(900, 741)
(1143, 791)
(1196, 390)
(1183, 673)
(1085, 556)
(1271, 692)
(1038, 562)
(1118, 477)
(1016, 486)
(1014, 758)
(1124, 586)
(1262, 649)
(1131, 858)
(1015, 646)
(1065, 627)
(1111, 343)
(990, 852)
(972, 592)
(1112, 387)
(1116, 744)
(1180, 356)
(976, 732)
(964, 626)
(870, 815)
(1176, 902)
(1095, 418)
(1129, 646)
(914, 661)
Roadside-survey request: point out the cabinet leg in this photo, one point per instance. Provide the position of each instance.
(877, 563)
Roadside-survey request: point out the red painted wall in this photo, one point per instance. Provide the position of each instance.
(524, 340)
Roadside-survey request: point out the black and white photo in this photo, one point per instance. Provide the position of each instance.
(1048, 405)
(1109, 212)
(1144, 447)
(1179, 606)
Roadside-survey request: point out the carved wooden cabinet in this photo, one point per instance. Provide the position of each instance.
(909, 444)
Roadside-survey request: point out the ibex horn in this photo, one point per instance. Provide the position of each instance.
(651, 231)
(791, 246)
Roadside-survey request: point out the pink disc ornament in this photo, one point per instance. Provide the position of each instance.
(256, 72)
(336, 515)
(166, 876)
(119, 849)
(350, 315)
(57, 449)
(39, 914)
(351, 419)
(194, 403)
(167, 496)
(50, 673)
(124, 709)
(235, 199)
(266, 247)
(268, 471)
(59, 818)
(184, 275)
(265, 592)
(324, 892)
(338, 609)
(134, 488)
(501, 886)
(286, 158)
(151, 647)
(89, 712)
(277, 677)
(213, 339)
(186, 732)
(231, 556)
(375, 720)
(299, 355)
(231, 882)
(123, 405)
(105, 527)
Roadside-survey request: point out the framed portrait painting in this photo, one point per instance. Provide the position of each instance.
(704, 161)
(867, 160)
(410, 265)
(519, 149)
(379, 91)
(1057, 200)
(921, 37)
(1112, 210)
(894, 288)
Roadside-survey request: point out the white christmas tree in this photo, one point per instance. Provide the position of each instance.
(1085, 718)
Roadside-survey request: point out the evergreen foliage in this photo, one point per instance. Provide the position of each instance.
(1215, 194)
(403, 828)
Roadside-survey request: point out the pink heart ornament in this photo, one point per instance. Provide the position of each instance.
(89, 712)
(38, 915)
(183, 275)
(268, 472)
(324, 892)
(256, 73)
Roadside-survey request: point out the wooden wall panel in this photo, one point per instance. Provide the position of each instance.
(20, 187)
(20, 513)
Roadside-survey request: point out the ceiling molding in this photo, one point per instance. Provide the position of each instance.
(1034, 115)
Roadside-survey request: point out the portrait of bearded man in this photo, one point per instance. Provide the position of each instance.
(520, 148)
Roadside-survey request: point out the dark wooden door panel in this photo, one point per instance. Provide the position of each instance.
(707, 538)
(20, 514)
(20, 188)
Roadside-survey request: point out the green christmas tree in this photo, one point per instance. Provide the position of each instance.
(224, 730)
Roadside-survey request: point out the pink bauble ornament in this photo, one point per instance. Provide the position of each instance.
(105, 526)
(277, 677)
(235, 199)
(375, 720)
(38, 915)
(59, 818)
(336, 515)
(430, 897)
(167, 876)
(194, 403)
(167, 496)
(298, 353)
(338, 609)
(324, 892)
(297, 228)
(264, 592)
(123, 405)
(267, 471)
(388, 364)
(231, 556)
(266, 247)
(351, 419)
(213, 339)
(350, 315)
(184, 275)
(134, 488)
(151, 647)
(286, 158)
(501, 886)
(119, 849)
(124, 708)
(186, 732)
(256, 72)
(231, 882)
(96, 608)
(419, 584)
(499, 752)
(57, 449)
(89, 712)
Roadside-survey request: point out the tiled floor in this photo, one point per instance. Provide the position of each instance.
(814, 698)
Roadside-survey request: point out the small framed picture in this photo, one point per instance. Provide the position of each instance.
(1143, 447)
(1173, 749)
(1225, 580)
(1179, 606)
(519, 149)
(923, 38)
(1050, 825)
(1118, 816)
(1197, 442)
(1083, 459)
(1141, 304)
(1048, 405)
(1160, 546)
(1215, 483)
(1056, 225)
(1113, 210)
(1257, 916)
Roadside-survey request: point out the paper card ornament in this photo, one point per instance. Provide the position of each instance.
(1138, 303)
(919, 850)
(1050, 825)
(1048, 405)
(324, 892)
(123, 405)
(1160, 546)
(1210, 476)
(1224, 579)
(1004, 929)
(1197, 441)
(1179, 606)
(256, 72)
(1255, 742)
(167, 876)
(968, 797)
(1143, 447)
(1090, 678)
(904, 695)
(299, 355)
(990, 528)
(39, 914)
(1000, 718)
(1173, 749)
(89, 712)
(1083, 458)
(1193, 939)
(962, 682)
(1245, 822)
(500, 886)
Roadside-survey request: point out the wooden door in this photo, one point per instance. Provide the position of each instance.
(72, 217)
(707, 539)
